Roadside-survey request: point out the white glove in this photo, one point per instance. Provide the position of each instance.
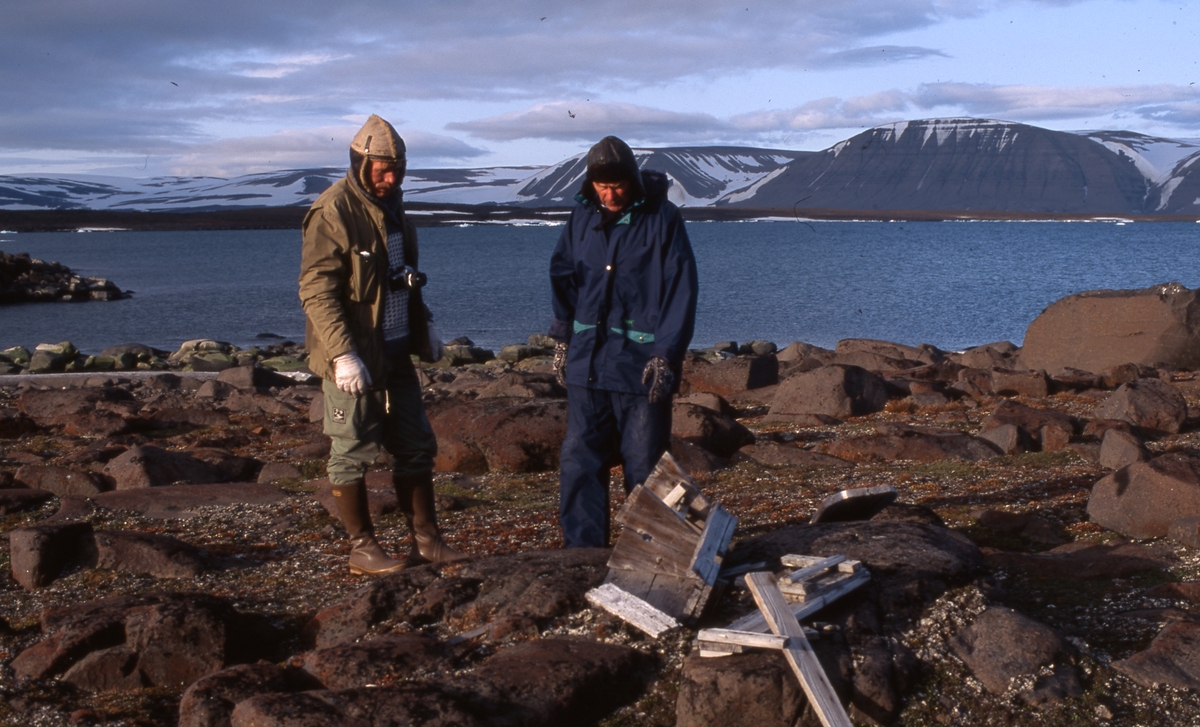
(436, 349)
(350, 375)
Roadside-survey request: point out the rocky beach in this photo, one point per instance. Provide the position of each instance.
(171, 557)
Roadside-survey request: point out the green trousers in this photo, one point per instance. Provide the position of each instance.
(391, 416)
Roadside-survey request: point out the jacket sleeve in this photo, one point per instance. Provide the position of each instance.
(680, 286)
(563, 287)
(324, 277)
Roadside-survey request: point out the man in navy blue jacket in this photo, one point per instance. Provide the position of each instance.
(624, 284)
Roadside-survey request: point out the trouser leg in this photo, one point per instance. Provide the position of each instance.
(583, 480)
(353, 425)
(645, 432)
(409, 438)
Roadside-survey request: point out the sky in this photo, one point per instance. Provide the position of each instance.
(143, 88)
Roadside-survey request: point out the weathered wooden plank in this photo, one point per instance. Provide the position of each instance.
(752, 639)
(725, 646)
(810, 588)
(675, 496)
(756, 622)
(803, 561)
(631, 609)
(816, 568)
(714, 541)
(799, 653)
(635, 582)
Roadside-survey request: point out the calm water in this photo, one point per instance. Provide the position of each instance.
(950, 284)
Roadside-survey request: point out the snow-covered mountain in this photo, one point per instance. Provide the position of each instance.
(935, 164)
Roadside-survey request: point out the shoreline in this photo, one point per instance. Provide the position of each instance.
(431, 215)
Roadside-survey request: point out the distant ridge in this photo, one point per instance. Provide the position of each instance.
(959, 165)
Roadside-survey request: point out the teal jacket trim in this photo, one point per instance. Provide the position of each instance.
(635, 336)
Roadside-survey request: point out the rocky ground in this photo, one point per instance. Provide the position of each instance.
(171, 558)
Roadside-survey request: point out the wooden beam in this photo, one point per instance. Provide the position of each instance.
(811, 588)
(799, 653)
(755, 621)
(803, 561)
(631, 609)
(807, 572)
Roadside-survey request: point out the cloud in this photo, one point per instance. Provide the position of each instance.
(1043, 103)
(299, 149)
(589, 121)
(874, 55)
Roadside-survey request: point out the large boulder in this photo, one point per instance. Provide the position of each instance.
(1099, 329)
(835, 390)
(892, 442)
(150, 466)
(40, 553)
(1143, 499)
(1002, 645)
(718, 433)
(498, 434)
(61, 480)
(731, 376)
(1050, 429)
(1173, 658)
(1149, 404)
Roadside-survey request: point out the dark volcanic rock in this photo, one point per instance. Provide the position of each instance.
(730, 377)
(697, 461)
(778, 454)
(418, 703)
(498, 435)
(718, 433)
(176, 639)
(531, 587)
(1143, 499)
(1086, 561)
(21, 499)
(1100, 329)
(181, 500)
(378, 660)
(834, 390)
(893, 442)
(910, 563)
(160, 556)
(57, 407)
(1001, 645)
(1173, 658)
(150, 466)
(60, 480)
(108, 670)
(41, 552)
(1050, 429)
(1118, 449)
(1149, 404)
(558, 681)
(210, 700)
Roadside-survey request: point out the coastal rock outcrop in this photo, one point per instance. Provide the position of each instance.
(1099, 329)
(28, 280)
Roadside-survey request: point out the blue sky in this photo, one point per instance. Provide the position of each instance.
(146, 87)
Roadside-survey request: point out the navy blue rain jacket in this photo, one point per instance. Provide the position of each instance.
(625, 292)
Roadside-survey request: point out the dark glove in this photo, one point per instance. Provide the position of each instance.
(560, 364)
(658, 375)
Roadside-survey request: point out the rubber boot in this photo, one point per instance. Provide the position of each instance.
(415, 496)
(367, 557)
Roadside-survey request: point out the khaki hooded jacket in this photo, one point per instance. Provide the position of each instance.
(343, 280)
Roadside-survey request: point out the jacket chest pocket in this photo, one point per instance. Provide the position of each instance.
(364, 275)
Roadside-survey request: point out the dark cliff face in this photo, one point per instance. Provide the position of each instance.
(961, 164)
(1179, 193)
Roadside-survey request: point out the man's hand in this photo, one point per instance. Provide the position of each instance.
(660, 378)
(560, 363)
(350, 375)
(436, 348)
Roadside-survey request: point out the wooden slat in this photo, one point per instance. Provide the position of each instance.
(635, 582)
(714, 541)
(810, 588)
(803, 561)
(674, 497)
(631, 609)
(756, 622)
(807, 572)
(799, 653)
(752, 639)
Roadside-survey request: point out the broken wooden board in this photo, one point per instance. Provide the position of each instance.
(798, 652)
(631, 609)
(814, 587)
(672, 545)
(723, 642)
(860, 503)
(808, 561)
(755, 621)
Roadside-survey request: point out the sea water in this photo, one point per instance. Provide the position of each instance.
(951, 284)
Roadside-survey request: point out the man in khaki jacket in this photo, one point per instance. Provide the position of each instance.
(361, 291)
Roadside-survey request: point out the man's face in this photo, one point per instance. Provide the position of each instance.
(385, 177)
(613, 195)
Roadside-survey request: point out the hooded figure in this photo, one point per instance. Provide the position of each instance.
(623, 283)
(361, 290)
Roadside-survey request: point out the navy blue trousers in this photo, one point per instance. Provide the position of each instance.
(605, 428)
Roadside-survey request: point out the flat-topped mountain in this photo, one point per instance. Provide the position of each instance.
(947, 165)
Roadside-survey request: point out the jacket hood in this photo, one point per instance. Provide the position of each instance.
(377, 139)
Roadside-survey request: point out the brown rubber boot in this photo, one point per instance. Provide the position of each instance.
(367, 557)
(415, 495)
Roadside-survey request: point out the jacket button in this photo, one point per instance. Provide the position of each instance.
(608, 268)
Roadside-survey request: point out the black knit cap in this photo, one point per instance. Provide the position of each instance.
(611, 160)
